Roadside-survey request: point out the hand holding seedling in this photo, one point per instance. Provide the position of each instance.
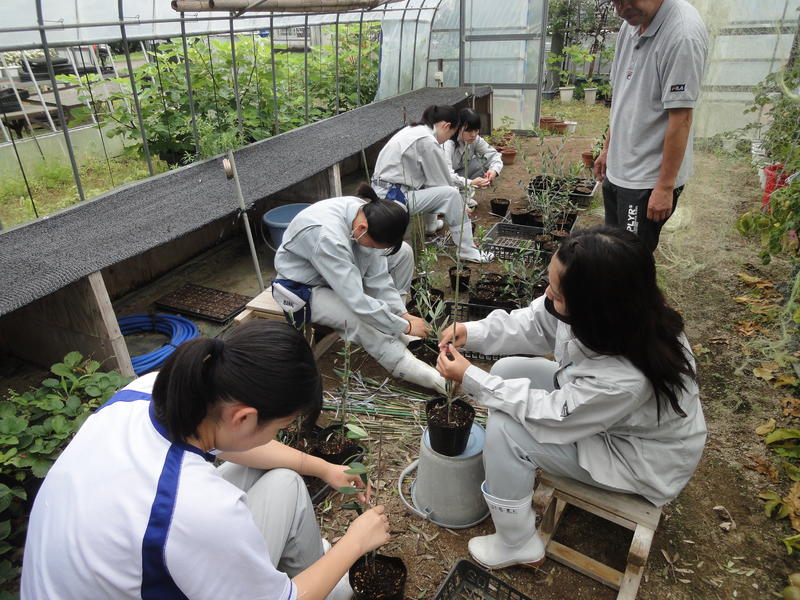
(480, 182)
(452, 364)
(447, 336)
(370, 529)
(344, 476)
(417, 326)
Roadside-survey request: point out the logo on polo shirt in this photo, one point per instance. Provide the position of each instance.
(678, 87)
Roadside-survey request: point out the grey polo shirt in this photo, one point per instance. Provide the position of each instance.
(652, 72)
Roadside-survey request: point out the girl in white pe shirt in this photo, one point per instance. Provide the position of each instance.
(413, 167)
(349, 256)
(134, 507)
(617, 409)
(467, 147)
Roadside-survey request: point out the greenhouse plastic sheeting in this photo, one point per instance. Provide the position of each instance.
(502, 47)
(63, 15)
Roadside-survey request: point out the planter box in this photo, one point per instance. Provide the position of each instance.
(468, 580)
(584, 200)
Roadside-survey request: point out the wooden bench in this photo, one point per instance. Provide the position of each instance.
(552, 496)
(264, 306)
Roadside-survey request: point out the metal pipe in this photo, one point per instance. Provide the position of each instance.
(239, 7)
(213, 81)
(144, 51)
(78, 75)
(131, 76)
(56, 96)
(305, 65)
(274, 82)
(336, 63)
(188, 75)
(400, 46)
(414, 49)
(232, 173)
(542, 70)
(45, 108)
(462, 27)
(21, 168)
(235, 68)
(358, 67)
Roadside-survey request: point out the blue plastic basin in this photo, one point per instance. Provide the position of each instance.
(278, 219)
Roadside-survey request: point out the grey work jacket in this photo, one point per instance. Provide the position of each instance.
(480, 148)
(604, 405)
(413, 158)
(318, 250)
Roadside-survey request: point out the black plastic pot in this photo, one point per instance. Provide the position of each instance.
(499, 206)
(463, 279)
(450, 440)
(388, 579)
(347, 454)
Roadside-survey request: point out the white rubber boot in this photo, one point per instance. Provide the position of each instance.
(342, 589)
(413, 370)
(516, 541)
(476, 256)
(433, 224)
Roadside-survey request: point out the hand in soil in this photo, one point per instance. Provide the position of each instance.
(335, 476)
(452, 364)
(370, 530)
(446, 336)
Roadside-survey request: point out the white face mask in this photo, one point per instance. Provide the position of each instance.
(355, 239)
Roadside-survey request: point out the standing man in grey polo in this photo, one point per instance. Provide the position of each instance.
(656, 75)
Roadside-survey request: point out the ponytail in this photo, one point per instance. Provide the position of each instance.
(436, 113)
(266, 365)
(387, 220)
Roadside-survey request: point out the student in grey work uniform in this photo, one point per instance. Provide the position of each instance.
(618, 408)
(350, 252)
(413, 165)
(656, 75)
(483, 162)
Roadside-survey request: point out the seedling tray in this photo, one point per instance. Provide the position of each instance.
(505, 240)
(464, 311)
(468, 581)
(203, 302)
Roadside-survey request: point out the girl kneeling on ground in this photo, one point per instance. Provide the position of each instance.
(348, 255)
(412, 167)
(469, 150)
(134, 507)
(617, 409)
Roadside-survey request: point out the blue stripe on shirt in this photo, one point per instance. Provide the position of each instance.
(157, 583)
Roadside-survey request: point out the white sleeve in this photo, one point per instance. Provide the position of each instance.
(587, 405)
(449, 152)
(215, 550)
(334, 262)
(489, 155)
(378, 283)
(530, 330)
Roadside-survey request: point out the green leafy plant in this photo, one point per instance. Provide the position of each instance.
(164, 98)
(35, 426)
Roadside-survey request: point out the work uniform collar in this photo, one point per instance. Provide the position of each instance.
(657, 22)
(350, 212)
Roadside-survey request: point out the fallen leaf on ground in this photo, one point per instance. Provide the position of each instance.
(763, 373)
(791, 406)
(766, 428)
(764, 467)
(792, 500)
(785, 380)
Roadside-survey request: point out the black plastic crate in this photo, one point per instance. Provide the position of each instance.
(468, 581)
(505, 240)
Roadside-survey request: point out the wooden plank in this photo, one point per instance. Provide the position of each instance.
(585, 565)
(640, 546)
(335, 180)
(629, 507)
(323, 345)
(265, 303)
(630, 583)
(109, 320)
(244, 316)
(596, 510)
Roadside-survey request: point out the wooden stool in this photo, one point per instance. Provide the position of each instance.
(633, 512)
(264, 306)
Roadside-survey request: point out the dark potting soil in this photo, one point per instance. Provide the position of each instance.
(376, 578)
(459, 416)
(334, 447)
(425, 350)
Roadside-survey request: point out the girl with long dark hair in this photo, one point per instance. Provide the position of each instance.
(349, 256)
(412, 168)
(473, 160)
(618, 408)
(134, 507)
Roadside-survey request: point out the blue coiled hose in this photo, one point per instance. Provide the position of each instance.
(177, 328)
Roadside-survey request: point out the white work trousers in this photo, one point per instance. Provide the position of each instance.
(511, 454)
(447, 201)
(283, 513)
(329, 309)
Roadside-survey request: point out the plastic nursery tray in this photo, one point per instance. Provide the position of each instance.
(468, 581)
(203, 302)
(464, 311)
(505, 240)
